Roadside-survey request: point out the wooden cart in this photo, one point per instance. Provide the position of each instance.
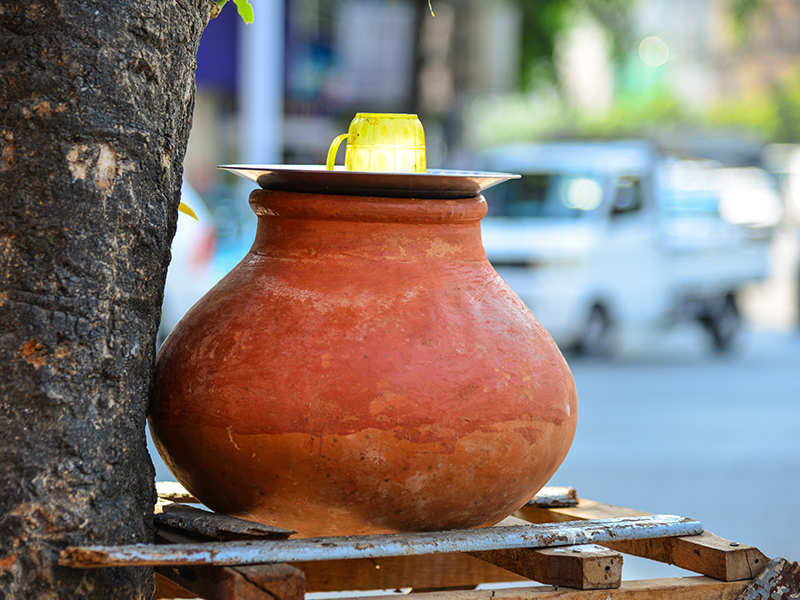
(573, 545)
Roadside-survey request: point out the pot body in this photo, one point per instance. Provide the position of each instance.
(363, 369)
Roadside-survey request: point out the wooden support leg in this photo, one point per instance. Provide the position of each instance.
(705, 553)
(586, 567)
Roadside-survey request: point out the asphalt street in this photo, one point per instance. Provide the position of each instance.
(668, 427)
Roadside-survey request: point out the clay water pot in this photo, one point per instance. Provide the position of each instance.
(363, 369)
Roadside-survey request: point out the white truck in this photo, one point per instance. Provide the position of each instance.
(602, 239)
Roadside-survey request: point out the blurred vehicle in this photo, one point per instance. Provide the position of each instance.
(599, 242)
(190, 273)
(748, 196)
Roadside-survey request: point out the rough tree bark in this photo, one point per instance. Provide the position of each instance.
(95, 106)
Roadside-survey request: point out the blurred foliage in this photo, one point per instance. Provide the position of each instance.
(629, 117)
(509, 120)
(544, 20)
(774, 113)
(643, 102)
(742, 12)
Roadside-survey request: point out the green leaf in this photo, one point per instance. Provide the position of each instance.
(430, 6)
(245, 10)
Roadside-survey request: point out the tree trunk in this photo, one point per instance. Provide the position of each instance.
(95, 107)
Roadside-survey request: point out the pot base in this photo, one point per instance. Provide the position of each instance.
(372, 481)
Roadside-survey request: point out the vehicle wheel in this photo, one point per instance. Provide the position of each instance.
(724, 324)
(598, 334)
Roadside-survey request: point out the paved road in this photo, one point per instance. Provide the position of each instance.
(670, 428)
(667, 427)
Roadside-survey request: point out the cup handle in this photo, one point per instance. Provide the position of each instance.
(334, 149)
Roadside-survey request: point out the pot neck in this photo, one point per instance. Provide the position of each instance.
(368, 209)
(292, 224)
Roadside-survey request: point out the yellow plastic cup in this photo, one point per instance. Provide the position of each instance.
(382, 142)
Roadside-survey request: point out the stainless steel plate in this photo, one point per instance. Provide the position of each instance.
(436, 183)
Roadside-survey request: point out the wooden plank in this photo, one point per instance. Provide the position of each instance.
(779, 580)
(586, 567)
(555, 496)
(681, 588)
(248, 552)
(256, 582)
(174, 492)
(450, 570)
(456, 570)
(215, 526)
(706, 553)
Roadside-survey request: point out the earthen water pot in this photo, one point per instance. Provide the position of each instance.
(363, 369)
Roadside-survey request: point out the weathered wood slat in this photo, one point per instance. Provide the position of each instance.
(681, 588)
(590, 567)
(779, 580)
(215, 526)
(492, 538)
(430, 571)
(707, 553)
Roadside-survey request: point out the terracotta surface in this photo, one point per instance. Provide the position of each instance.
(363, 369)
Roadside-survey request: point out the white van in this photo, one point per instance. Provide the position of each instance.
(597, 244)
